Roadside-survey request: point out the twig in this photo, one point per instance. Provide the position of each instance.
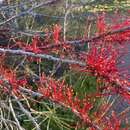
(36, 94)
(29, 10)
(27, 113)
(9, 121)
(13, 113)
(77, 42)
(42, 56)
(99, 36)
(67, 11)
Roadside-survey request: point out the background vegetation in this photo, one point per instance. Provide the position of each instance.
(20, 20)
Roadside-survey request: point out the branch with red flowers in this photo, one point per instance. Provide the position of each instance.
(90, 62)
(108, 35)
(100, 36)
(55, 92)
(75, 42)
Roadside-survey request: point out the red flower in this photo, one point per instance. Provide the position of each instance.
(102, 63)
(33, 46)
(10, 77)
(128, 11)
(100, 24)
(119, 37)
(114, 123)
(58, 92)
(56, 31)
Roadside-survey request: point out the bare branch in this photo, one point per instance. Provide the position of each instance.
(42, 56)
(14, 115)
(27, 113)
(29, 10)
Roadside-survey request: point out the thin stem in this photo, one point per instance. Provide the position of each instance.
(42, 56)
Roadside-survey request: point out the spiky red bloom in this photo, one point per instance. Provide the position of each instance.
(33, 46)
(102, 63)
(62, 94)
(120, 36)
(110, 122)
(103, 28)
(56, 31)
(10, 77)
(114, 123)
(107, 32)
(100, 24)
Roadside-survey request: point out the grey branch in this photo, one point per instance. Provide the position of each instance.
(27, 113)
(14, 115)
(29, 10)
(42, 56)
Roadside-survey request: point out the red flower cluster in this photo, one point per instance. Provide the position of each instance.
(102, 63)
(119, 37)
(100, 24)
(34, 45)
(39, 45)
(58, 92)
(56, 31)
(11, 80)
(108, 122)
(114, 123)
